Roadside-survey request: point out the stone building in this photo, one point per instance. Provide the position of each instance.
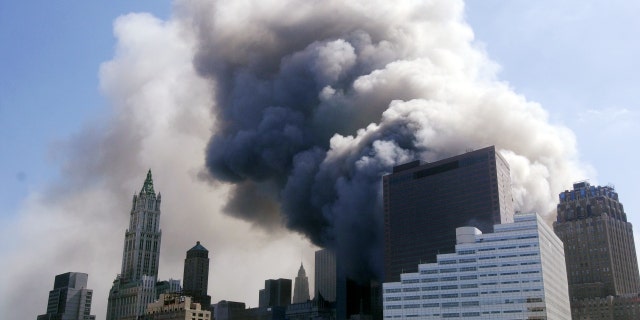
(301, 287)
(196, 275)
(174, 306)
(602, 267)
(135, 287)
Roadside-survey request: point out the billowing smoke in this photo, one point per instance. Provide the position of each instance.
(313, 101)
(317, 100)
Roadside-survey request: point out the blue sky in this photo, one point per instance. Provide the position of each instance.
(578, 59)
(50, 55)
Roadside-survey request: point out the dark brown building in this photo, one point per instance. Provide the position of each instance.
(599, 249)
(196, 275)
(425, 203)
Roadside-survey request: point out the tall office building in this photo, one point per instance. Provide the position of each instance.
(276, 293)
(325, 275)
(135, 287)
(517, 272)
(301, 288)
(425, 203)
(70, 299)
(599, 247)
(196, 275)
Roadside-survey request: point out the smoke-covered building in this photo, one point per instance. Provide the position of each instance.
(600, 251)
(135, 287)
(301, 287)
(316, 309)
(196, 275)
(425, 203)
(348, 297)
(517, 272)
(70, 299)
(325, 275)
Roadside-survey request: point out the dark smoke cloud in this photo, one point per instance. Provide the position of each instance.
(313, 102)
(294, 81)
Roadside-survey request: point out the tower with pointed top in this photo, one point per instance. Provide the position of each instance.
(135, 287)
(141, 252)
(196, 275)
(301, 288)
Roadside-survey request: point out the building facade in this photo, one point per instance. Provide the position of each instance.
(135, 287)
(325, 275)
(517, 272)
(301, 287)
(425, 203)
(196, 275)
(599, 249)
(228, 310)
(70, 299)
(625, 307)
(276, 293)
(316, 309)
(173, 306)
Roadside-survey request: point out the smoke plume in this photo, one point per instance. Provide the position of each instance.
(317, 100)
(292, 110)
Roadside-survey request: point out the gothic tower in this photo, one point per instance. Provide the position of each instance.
(142, 240)
(135, 287)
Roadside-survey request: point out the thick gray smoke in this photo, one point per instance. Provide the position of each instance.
(316, 100)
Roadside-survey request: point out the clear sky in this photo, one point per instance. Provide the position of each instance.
(51, 52)
(578, 59)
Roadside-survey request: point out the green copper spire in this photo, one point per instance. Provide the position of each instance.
(147, 188)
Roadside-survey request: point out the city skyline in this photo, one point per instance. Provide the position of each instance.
(100, 140)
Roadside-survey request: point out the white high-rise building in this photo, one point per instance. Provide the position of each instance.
(517, 272)
(301, 287)
(135, 287)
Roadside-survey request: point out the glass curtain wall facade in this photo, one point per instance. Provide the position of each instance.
(425, 203)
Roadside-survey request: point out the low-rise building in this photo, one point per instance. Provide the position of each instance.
(173, 306)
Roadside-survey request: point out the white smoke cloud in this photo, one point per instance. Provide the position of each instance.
(160, 119)
(389, 82)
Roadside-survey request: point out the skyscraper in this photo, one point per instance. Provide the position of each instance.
(325, 275)
(134, 288)
(301, 288)
(425, 203)
(276, 293)
(598, 243)
(196, 275)
(70, 299)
